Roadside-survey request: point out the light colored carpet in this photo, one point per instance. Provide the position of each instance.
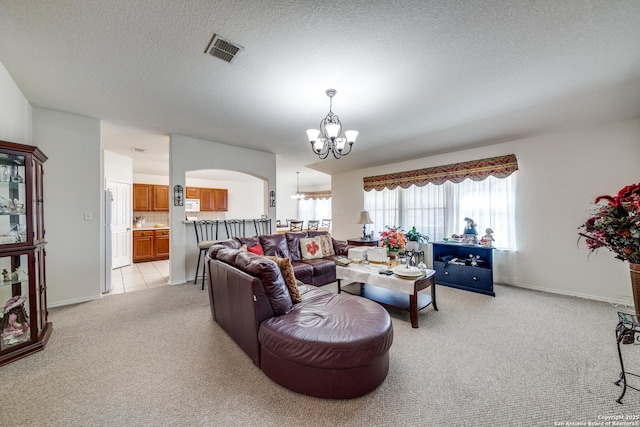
(156, 358)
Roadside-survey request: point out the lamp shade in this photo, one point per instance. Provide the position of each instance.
(365, 218)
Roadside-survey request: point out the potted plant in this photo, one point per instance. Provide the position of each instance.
(614, 223)
(393, 239)
(414, 238)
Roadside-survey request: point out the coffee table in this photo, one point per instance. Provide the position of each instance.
(389, 291)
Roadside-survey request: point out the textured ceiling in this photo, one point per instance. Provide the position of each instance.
(415, 77)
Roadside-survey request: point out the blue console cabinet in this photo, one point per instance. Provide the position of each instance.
(454, 274)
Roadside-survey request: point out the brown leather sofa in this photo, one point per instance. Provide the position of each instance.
(315, 272)
(328, 345)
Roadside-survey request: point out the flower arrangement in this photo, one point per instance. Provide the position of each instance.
(393, 238)
(614, 224)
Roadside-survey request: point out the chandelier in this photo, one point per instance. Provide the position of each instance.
(297, 194)
(329, 138)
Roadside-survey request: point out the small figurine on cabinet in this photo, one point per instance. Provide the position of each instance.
(470, 235)
(5, 275)
(470, 228)
(487, 240)
(18, 274)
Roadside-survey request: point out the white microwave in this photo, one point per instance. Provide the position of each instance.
(192, 205)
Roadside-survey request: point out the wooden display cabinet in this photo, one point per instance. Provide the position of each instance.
(24, 325)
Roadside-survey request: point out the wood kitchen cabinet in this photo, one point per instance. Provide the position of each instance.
(150, 245)
(160, 244)
(148, 197)
(206, 200)
(142, 197)
(161, 198)
(192, 193)
(220, 199)
(213, 200)
(143, 245)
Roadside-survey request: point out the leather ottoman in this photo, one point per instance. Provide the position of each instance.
(329, 346)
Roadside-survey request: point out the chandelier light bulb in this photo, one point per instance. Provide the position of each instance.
(329, 138)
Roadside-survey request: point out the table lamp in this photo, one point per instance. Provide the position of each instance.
(364, 220)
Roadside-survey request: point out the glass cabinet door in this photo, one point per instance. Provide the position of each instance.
(15, 304)
(14, 226)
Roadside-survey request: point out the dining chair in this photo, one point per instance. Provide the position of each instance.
(206, 235)
(234, 228)
(296, 225)
(289, 221)
(278, 223)
(313, 224)
(326, 223)
(263, 226)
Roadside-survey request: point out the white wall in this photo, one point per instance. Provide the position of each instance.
(246, 200)
(15, 111)
(117, 167)
(143, 178)
(72, 184)
(191, 154)
(560, 175)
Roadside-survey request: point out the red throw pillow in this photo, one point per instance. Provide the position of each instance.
(256, 249)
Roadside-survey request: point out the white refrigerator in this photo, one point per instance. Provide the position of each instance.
(108, 239)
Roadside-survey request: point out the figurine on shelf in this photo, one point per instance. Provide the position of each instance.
(5, 275)
(487, 240)
(470, 228)
(18, 274)
(470, 235)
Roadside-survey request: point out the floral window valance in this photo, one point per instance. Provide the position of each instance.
(476, 170)
(317, 194)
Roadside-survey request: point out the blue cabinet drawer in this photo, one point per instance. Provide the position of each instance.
(450, 273)
(475, 277)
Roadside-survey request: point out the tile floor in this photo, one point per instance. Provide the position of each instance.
(136, 277)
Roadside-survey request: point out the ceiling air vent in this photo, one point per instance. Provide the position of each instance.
(223, 49)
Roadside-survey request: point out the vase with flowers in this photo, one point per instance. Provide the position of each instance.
(394, 239)
(614, 224)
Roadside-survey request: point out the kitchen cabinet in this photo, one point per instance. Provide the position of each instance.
(142, 197)
(192, 193)
(150, 245)
(143, 245)
(160, 244)
(161, 198)
(206, 200)
(220, 200)
(148, 197)
(213, 200)
(23, 288)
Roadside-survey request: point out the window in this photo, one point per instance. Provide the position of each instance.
(439, 210)
(314, 209)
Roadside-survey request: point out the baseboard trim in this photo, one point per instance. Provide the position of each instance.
(73, 301)
(613, 301)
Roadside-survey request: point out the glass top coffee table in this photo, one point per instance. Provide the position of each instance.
(394, 291)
